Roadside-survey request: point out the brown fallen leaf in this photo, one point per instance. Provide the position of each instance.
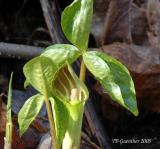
(117, 21)
(131, 25)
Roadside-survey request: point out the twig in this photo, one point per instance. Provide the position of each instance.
(25, 52)
(87, 139)
(96, 126)
(53, 21)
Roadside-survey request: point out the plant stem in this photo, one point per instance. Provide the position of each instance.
(51, 122)
(82, 71)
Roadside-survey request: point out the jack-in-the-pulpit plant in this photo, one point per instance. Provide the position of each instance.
(63, 92)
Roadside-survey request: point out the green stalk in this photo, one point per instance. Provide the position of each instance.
(8, 137)
(82, 71)
(73, 134)
(51, 123)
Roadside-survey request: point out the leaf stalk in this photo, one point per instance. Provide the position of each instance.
(82, 71)
(52, 123)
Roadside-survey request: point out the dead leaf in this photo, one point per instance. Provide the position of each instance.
(117, 21)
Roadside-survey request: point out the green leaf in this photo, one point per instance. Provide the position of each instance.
(60, 53)
(29, 111)
(60, 114)
(8, 136)
(39, 72)
(76, 22)
(114, 77)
